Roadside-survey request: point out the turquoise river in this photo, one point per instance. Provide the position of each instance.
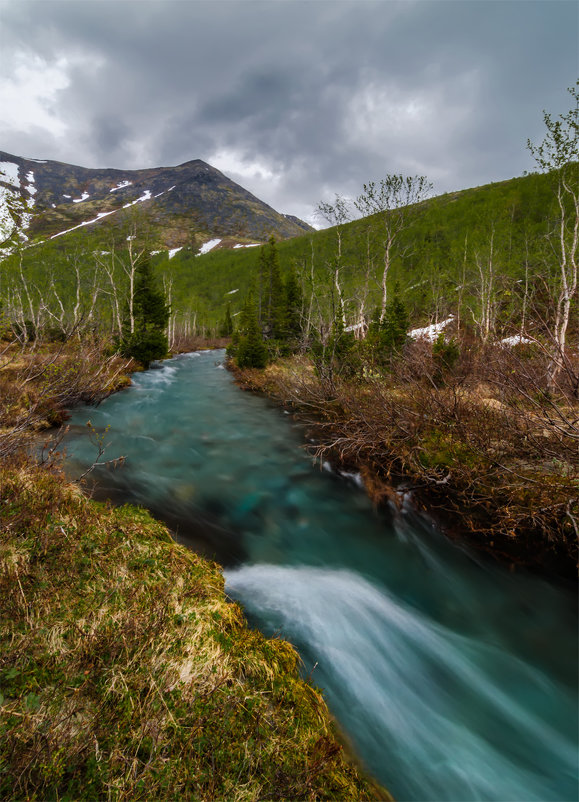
(453, 678)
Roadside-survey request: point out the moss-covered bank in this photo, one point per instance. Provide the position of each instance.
(125, 673)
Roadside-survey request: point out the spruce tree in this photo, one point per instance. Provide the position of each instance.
(275, 311)
(251, 351)
(395, 324)
(293, 306)
(262, 285)
(147, 340)
(226, 325)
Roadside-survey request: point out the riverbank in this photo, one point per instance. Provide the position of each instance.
(493, 473)
(125, 671)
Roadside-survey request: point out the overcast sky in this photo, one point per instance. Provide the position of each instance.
(294, 100)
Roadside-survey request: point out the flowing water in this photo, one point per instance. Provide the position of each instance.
(453, 679)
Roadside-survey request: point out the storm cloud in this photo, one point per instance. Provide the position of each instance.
(294, 100)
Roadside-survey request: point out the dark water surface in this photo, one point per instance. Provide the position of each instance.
(454, 680)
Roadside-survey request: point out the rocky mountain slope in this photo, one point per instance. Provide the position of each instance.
(185, 205)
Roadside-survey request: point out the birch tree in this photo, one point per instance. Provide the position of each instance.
(337, 214)
(389, 201)
(559, 152)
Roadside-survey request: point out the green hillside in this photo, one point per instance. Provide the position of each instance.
(437, 263)
(456, 248)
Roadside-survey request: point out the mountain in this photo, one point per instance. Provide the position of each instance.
(184, 205)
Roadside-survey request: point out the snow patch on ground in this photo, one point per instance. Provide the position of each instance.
(173, 251)
(67, 196)
(516, 339)
(232, 291)
(144, 197)
(7, 224)
(10, 171)
(121, 185)
(250, 245)
(38, 161)
(85, 223)
(31, 189)
(208, 246)
(25, 220)
(430, 332)
(82, 198)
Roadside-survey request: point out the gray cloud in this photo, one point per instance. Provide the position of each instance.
(295, 100)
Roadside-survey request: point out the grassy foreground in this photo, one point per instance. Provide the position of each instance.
(126, 674)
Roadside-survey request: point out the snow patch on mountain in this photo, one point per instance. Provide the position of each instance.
(144, 197)
(208, 246)
(7, 224)
(10, 173)
(31, 189)
(173, 251)
(82, 198)
(121, 185)
(85, 223)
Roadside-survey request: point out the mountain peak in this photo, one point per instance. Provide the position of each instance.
(187, 204)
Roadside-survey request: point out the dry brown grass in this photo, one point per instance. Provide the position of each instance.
(39, 382)
(484, 446)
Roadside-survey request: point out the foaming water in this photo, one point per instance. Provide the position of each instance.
(436, 714)
(454, 680)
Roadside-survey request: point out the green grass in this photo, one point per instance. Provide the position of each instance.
(126, 674)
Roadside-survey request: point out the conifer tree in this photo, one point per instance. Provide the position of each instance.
(274, 313)
(251, 351)
(395, 324)
(262, 285)
(293, 306)
(387, 336)
(148, 341)
(226, 326)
